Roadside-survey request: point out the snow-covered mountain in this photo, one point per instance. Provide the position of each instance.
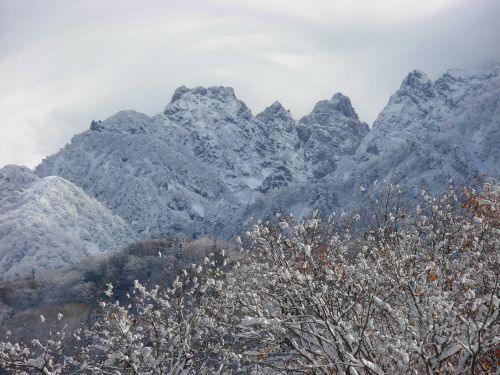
(206, 163)
(46, 223)
(429, 133)
(331, 131)
(195, 168)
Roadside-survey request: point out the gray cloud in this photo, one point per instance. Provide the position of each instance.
(64, 63)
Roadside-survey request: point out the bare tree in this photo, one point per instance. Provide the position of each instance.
(420, 296)
(417, 293)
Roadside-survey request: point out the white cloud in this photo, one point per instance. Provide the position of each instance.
(343, 12)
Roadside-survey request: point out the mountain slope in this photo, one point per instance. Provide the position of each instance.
(206, 164)
(46, 223)
(429, 133)
(196, 167)
(331, 131)
(155, 187)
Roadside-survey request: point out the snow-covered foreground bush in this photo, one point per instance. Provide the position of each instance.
(173, 330)
(415, 294)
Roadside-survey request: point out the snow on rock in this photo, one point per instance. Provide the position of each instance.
(124, 122)
(143, 179)
(431, 132)
(46, 223)
(329, 132)
(197, 167)
(277, 119)
(206, 164)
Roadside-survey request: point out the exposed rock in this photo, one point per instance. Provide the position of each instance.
(195, 168)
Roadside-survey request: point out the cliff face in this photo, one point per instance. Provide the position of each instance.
(194, 168)
(206, 164)
(428, 134)
(431, 132)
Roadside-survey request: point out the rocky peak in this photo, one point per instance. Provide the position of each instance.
(201, 102)
(326, 111)
(221, 93)
(330, 131)
(276, 115)
(178, 93)
(417, 83)
(342, 104)
(416, 78)
(128, 121)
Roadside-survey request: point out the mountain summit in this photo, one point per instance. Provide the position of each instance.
(206, 164)
(196, 167)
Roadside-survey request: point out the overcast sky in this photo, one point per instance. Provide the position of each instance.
(66, 62)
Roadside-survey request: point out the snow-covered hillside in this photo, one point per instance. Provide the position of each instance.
(195, 168)
(433, 131)
(429, 133)
(206, 163)
(46, 223)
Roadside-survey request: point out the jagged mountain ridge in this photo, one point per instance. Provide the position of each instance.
(47, 223)
(447, 129)
(206, 164)
(428, 134)
(195, 168)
